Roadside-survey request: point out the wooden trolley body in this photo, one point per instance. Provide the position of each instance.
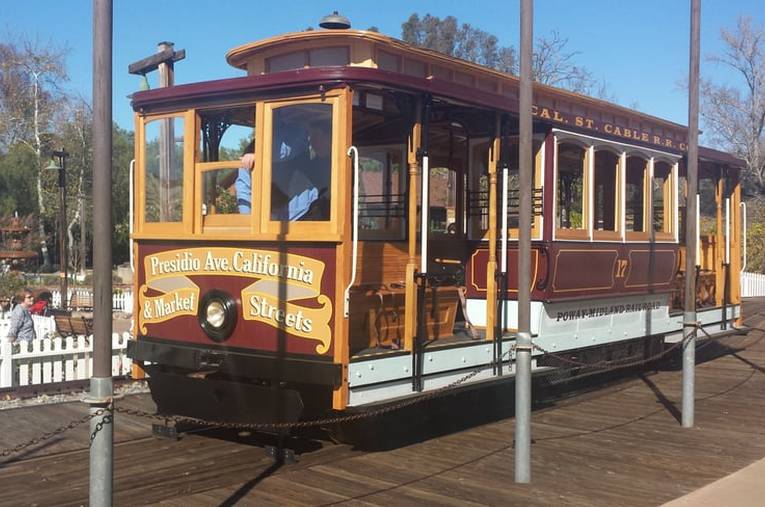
(319, 313)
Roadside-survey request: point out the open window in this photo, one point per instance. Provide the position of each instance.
(226, 138)
(636, 197)
(572, 183)
(663, 200)
(606, 211)
(164, 189)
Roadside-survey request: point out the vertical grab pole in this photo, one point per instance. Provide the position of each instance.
(353, 152)
(689, 314)
(523, 342)
(726, 265)
(742, 205)
(419, 339)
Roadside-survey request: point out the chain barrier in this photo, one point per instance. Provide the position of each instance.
(601, 366)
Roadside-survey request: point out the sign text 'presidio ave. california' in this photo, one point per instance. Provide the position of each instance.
(280, 279)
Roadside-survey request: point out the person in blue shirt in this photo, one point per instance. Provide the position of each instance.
(243, 182)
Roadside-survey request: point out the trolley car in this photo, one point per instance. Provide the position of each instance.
(289, 289)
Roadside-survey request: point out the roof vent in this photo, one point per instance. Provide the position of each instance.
(335, 22)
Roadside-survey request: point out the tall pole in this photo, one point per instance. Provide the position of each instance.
(101, 388)
(523, 342)
(691, 238)
(62, 260)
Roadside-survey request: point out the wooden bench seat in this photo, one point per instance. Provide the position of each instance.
(81, 301)
(67, 325)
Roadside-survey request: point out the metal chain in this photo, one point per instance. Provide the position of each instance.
(318, 422)
(107, 419)
(47, 436)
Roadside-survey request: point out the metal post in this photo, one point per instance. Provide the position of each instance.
(101, 388)
(63, 282)
(523, 342)
(689, 315)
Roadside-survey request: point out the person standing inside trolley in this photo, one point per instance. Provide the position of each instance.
(22, 326)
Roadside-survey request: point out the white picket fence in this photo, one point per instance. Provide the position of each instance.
(52, 358)
(752, 285)
(122, 301)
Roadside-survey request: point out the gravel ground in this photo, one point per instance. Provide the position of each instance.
(135, 387)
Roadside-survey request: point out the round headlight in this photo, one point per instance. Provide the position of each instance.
(217, 315)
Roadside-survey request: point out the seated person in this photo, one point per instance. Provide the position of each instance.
(243, 183)
(300, 189)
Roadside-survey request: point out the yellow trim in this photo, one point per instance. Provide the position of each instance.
(318, 230)
(535, 254)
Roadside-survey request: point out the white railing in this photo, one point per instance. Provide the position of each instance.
(52, 358)
(122, 301)
(752, 285)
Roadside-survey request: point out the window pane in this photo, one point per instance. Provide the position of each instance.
(301, 162)
(164, 170)
(226, 134)
(325, 57)
(288, 61)
(606, 164)
(570, 187)
(219, 192)
(382, 201)
(635, 189)
(661, 197)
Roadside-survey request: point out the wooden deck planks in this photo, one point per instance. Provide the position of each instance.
(621, 445)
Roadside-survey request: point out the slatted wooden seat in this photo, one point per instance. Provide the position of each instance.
(81, 301)
(67, 325)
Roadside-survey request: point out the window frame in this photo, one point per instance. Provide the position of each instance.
(671, 200)
(164, 229)
(584, 234)
(329, 230)
(233, 224)
(645, 234)
(616, 234)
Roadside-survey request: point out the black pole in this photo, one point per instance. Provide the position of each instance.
(62, 257)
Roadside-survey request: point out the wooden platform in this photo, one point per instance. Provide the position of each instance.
(620, 445)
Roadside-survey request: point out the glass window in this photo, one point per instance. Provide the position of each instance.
(227, 135)
(327, 57)
(661, 197)
(301, 162)
(287, 61)
(605, 186)
(635, 194)
(571, 189)
(443, 200)
(163, 160)
(382, 199)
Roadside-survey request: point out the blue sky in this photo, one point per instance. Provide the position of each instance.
(639, 48)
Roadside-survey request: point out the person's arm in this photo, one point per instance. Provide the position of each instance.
(15, 325)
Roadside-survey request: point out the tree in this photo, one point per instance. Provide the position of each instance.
(30, 75)
(734, 117)
(553, 64)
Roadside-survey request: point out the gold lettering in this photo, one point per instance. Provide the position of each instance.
(557, 116)
(656, 140)
(588, 123)
(683, 147)
(644, 137)
(628, 133)
(668, 143)
(545, 113)
(617, 131)
(579, 121)
(534, 110)
(608, 128)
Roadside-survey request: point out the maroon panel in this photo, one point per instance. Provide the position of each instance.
(655, 268)
(583, 268)
(248, 334)
(475, 276)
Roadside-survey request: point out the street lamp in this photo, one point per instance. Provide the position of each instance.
(58, 162)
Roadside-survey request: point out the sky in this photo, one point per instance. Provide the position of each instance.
(638, 48)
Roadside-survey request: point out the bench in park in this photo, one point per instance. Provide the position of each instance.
(68, 325)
